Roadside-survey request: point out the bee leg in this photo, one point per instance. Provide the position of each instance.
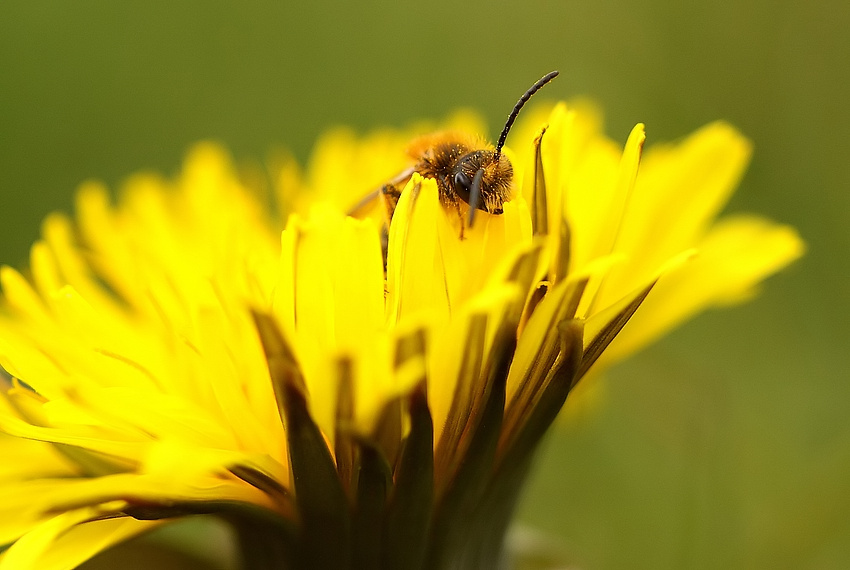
(460, 217)
(391, 195)
(385, 251)
(364, 207)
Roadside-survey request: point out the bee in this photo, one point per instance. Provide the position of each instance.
(465, 170)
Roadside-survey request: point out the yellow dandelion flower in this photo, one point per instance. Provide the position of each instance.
(177, 353)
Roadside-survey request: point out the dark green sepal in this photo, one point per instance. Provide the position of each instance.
(408, 515)
(523, 440)
(533, 382)
(454, 533)
(387, 431)
(452, 446)
(268, 485)
(266, 540)
(374, 483)
(345, 450)
(321, 500)
(601, 341)
(496, 506)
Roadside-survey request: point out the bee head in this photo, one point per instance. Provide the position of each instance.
(482, 179)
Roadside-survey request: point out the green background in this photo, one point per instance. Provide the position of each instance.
(727, 444)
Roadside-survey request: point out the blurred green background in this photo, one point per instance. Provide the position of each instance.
(726, 445)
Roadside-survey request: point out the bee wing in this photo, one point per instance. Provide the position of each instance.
(393, 186)
(365, 205)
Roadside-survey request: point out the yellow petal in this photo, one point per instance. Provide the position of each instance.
(416, 287)
(448, 350)
(737, 254)
(685, 185)
(25, 459)
(540, 332)
(609, 231)
(67, 540)
(84, 541)
(589, 192)
(21, 296)
(111, 255)
(98, 440)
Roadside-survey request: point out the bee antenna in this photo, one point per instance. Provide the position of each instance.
(519, 104)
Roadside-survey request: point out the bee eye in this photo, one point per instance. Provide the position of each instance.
(463, 180)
